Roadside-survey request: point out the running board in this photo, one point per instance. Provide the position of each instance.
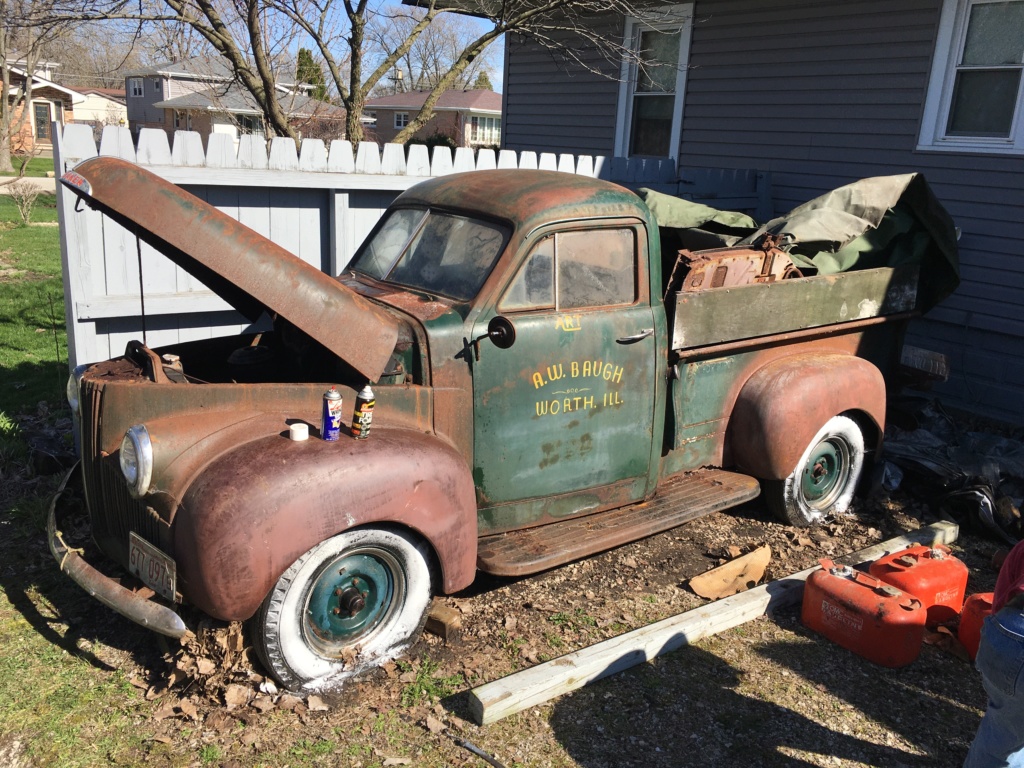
(680, 500)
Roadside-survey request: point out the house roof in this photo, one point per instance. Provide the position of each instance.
(114, 94)
(476, 100)
(197, 68)
(42, 82)
(204, 68)
(235, 100)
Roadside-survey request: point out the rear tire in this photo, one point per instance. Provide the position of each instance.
(347, 605)
(824, 480)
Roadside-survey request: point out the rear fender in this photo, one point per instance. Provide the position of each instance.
(253, 511)
(783, 405)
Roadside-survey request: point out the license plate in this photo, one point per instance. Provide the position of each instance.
(156, 569)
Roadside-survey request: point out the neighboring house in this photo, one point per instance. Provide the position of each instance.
(469, 118)
(50, 102)
(200, 95)
(232, 110)
(820, 94)
(102, 106)
(148, 86)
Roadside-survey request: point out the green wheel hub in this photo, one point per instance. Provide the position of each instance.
(352, 595)
(826, 472)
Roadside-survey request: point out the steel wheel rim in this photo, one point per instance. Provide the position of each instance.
(333, 619)
(825, 472)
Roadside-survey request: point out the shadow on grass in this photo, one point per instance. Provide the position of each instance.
(25, 385)
(54, 606)
(934, 703)
(684, 709)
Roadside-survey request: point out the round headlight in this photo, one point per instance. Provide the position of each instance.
(72, 390)
(137, 460)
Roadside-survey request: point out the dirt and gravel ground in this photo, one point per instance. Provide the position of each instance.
(769, 692)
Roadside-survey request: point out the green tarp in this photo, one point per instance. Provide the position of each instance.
(884, 221)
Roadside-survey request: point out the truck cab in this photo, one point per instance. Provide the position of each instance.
(556, 413)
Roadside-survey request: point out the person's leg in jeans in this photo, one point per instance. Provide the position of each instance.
(1000, 737)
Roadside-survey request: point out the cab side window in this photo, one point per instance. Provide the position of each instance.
(596, 268)
(576, 269)
(534, 286)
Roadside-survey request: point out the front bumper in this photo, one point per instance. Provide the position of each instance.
(141, 610)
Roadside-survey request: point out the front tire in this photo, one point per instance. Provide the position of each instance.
(348, 604)
(824, 480)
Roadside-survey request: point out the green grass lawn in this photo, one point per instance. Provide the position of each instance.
(73, 674)
(37, 167)
(43, 212)
(61, 700)
(33, 339)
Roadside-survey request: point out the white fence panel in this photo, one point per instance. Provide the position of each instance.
(316, 201)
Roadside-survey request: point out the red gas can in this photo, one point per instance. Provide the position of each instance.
(930, 574)
(863, 614)
(975, 610)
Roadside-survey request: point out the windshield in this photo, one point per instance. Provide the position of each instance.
(431, 250)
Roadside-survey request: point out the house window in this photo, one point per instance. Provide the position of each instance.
(485, 130)
(250, 124)
(42, 114)
(653, 82)
(182, 120)
(401, 119)
(976, 89)
(135, 86)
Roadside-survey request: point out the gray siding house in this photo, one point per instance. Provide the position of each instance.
(200, 95)
(819, 94)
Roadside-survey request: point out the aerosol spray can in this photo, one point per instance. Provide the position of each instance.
(362, 414)
(330, 423)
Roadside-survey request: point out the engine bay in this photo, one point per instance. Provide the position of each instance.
(284, 354)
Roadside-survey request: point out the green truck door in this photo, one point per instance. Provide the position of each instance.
(563, 418)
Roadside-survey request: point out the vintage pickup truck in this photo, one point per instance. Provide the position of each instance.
(554, 376)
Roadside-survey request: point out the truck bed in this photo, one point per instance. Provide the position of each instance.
(718, 315)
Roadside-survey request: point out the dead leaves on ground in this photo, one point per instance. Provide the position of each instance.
(211, 678)
(945, 640)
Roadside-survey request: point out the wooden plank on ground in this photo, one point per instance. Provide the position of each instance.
(493, 701)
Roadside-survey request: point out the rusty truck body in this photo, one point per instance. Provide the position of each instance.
(549, 384)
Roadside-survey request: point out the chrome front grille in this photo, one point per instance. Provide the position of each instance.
(112, 509)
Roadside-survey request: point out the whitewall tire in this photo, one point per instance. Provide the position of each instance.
(348, 604)
(824, 480)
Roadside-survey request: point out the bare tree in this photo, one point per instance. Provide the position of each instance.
(173, 41)
(24, 195)
(93, 55)
(26, 28)
(433, 52)
(252, 34)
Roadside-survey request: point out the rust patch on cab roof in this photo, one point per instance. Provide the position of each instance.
(530, 199)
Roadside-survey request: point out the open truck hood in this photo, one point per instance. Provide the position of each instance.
(244, 268)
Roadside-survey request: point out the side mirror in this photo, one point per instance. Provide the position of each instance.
(501, 332)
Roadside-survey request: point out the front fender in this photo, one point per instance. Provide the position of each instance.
(253, 511)
(783, 405)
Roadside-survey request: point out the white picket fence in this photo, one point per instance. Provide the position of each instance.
(318, 202)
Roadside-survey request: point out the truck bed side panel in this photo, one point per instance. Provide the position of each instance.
(744, 312)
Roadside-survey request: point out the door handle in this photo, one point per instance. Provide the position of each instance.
(635, 337)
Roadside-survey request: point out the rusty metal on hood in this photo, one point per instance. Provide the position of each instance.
(241, 266)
